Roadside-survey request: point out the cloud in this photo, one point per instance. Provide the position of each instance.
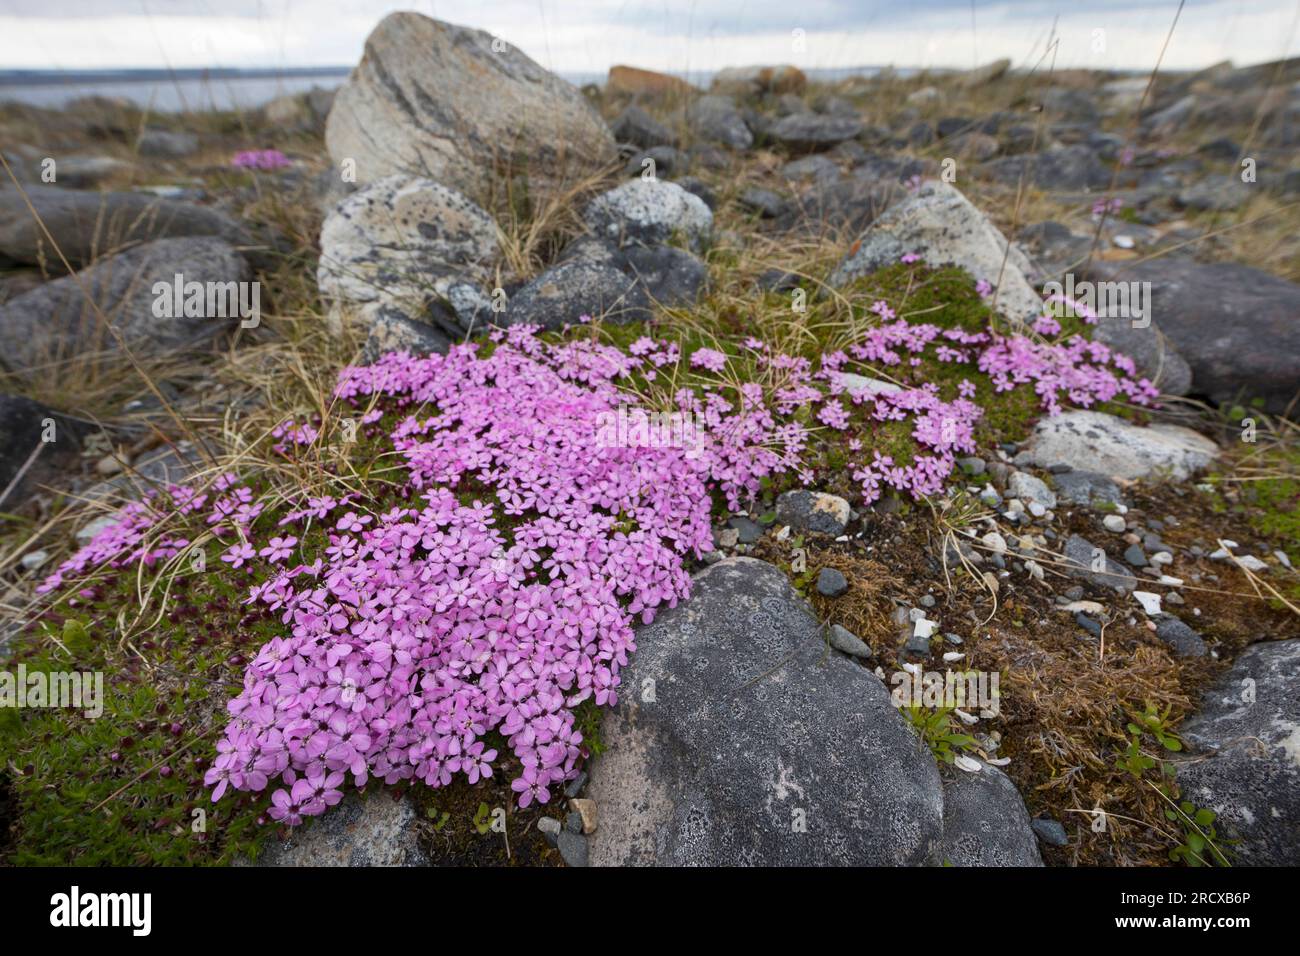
(587, 36)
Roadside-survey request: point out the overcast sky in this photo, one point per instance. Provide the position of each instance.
(579, 36)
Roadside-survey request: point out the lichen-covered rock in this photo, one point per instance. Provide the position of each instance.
(1095, 441)
(370, 829)
(649, 211)
(1243, 757)
(813, 511)
(941, 225)
(54, 323)
(404, 241)
(738, 740)
(985, 822)
(452, 103)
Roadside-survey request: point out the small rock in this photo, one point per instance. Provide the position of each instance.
(831, 583)
(573, 822)
(813, 511)
(573, 848)
(1134, 556)
(1184, 641)
(748, 530)
(1114, 523)
(34, 559)
(1031, 489)
(1088, 624)
(927, 600)
(846, 642)
(1049, 831)
(550, 828)
(586, 811)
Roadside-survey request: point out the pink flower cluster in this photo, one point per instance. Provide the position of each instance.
(501, 593)
(265, 159)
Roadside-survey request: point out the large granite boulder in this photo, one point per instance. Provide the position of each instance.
(54, 323)
(1243, 756)
(1235, 326)
(741, 738)
(86, 224)
(452, 103)
(943, 227)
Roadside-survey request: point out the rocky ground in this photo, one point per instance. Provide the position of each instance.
(1113, 542)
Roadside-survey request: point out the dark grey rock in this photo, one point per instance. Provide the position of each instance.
(54, 323)
(749, 530)
(811, 131)
(663, 160)
(1184, 641)
(757, 747)
(1050, 831)
(88, 224)
(984, 820)
(1135, 557)
(564, 293)
(1079, 555)
(815, 167)
(813, 511)
(1151, 351)
(635, 125)
(573, 822)
(573, 847)
(391, 331)
(715, 119)
(1247, 728)
(765, 202)
(1055, 249)
(831, 583)
(24, 426)
(698, 187)
(670, 276)
(1088, 624)
(1234, 325)
(846, 642)
(1086, 488)
(1056, 169)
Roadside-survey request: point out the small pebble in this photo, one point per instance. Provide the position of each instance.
(1049, 831)
(927, 600)
(831, 583)
(1113, 523)
(573, 848)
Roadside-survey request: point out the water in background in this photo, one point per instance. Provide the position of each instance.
(186, 90)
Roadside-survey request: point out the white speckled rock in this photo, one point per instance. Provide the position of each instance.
(402, 240)
(1249, 729)
(650, 211)
(941, 225)
(449, 102)
(370, 829)
(985, 822)
(1095, 441)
